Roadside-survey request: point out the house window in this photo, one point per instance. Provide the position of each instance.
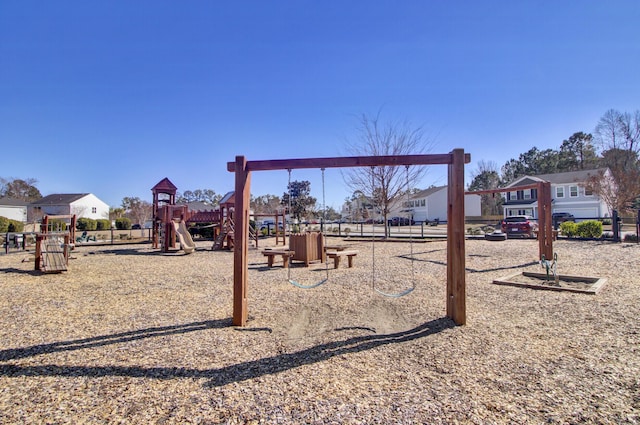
(559, 192)
(527, 194)
(423, 202)
(94, 210)
(513, 196)
(588, 192)
(573, 191)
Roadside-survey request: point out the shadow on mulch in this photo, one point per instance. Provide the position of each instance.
(102, 340)
(13, 270)
(239, 372)
(468, 269)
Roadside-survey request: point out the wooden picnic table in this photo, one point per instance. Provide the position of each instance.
(336, 247)
(337, 255)
(286, 255)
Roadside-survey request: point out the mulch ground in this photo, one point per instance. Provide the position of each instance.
(130, 335)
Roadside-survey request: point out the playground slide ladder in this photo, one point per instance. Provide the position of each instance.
(225, 229)
(53, 259)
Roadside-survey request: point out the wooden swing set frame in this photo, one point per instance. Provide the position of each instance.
(455, 160)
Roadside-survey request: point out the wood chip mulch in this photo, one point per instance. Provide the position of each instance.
(130, 335)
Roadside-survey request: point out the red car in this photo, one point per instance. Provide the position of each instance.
(522, 225)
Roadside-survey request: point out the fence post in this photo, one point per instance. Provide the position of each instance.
(638, 228)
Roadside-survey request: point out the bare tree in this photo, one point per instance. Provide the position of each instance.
(138, 210)
(618, 137)
(385, 183)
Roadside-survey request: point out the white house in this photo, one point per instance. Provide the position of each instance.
(431, 204)
(568, 195)
(14, 209)
(85, 205)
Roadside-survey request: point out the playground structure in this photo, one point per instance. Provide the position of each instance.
(53, 245)
(171, 221)
(455, 160)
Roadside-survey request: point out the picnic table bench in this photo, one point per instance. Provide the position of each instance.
(286, 254)
(336, 247)
(337, 255)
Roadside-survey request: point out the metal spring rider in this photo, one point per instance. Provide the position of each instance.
(551, 266)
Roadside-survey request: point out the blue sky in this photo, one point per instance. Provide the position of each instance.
(111, 97)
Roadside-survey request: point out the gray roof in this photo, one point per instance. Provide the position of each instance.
(579, 176)
(59, 199)
(12, 202)
(427, 192)
(199, 206)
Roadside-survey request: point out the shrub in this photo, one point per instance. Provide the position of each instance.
(8, 225)
(57, 225)
(589, 229)
(569, 229)
(123, 223)
(84, 223)
(103, 224)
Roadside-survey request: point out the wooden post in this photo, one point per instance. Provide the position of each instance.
(456, 273)
(241, 245)
(39, 239)
(67, 240)
(545, 225)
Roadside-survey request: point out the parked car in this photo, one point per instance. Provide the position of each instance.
(561, 217)
(136, 227)
(520, 225)
(271, 226)
(400, 221)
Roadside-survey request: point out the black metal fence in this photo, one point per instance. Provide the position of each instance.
(26, 241)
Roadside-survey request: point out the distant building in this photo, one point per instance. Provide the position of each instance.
(569, 194)
(431, 204)
(14, 209)
(85, 205)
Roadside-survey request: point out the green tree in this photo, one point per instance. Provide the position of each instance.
(208, 196)
(577, 153)
(532, 162)
(298, 199)
(24, 190)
